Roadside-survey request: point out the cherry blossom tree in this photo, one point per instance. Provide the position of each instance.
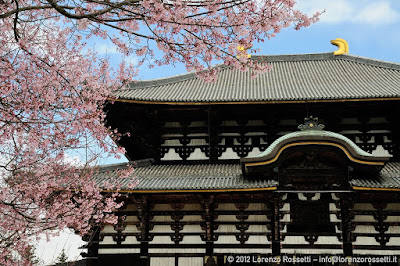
(53, 87)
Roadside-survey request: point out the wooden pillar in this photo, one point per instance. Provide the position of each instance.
(275, 226)
(346, 215)
(212, 135)
(208, 204)
(143, 217)
(93, 238)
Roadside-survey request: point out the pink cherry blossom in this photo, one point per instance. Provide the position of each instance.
(53, 88)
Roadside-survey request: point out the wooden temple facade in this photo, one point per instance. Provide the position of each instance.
(243, 166)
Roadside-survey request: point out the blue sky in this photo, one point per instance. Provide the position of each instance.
(371, 27)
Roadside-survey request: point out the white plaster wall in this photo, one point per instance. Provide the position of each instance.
(226, 218)
(295, 240)
(285, 207)
(311, 251)
(162, 229)
(363, 218)
(162, 207)
(131, 229)
(365, 240)
(131, 240)
(332, 207)
(333, 218)
(162, 219)
(196, 142)
(257, 218)
(227, 228)
(242, 250)
(192, 207)
(161, 240)
(172, 124)
(226, 207)
(254, 228)
(229, 123)
(171, 142)
(131, 219)
(197, 124)
(191, 261)
(107, 240)
(192, 240)
(108, 229)
(394, 241)
(334, 197)
(258, 240)
(171, 155)
(177, 250)
(395, 219)
(223, 239)
(166, 261)
(285, 218)
(365, 229)
(363, 207)
(192, 228)
(393, 230)
(393, 206)
(119, 251)
(333, 240)
(229, 154)
(257, 207)
(192, 218)
(254, 152)
(197, 155)
(380, 151)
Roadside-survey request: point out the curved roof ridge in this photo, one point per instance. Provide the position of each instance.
(314, 137)
(370, 61)
(294, 57)
(142, 84)
(320, 133)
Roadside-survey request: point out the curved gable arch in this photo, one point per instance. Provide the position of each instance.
(317, 153)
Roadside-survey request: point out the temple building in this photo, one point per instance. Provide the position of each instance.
(303, 159)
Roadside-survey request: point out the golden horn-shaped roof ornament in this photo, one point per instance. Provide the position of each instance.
(342, 45)
(242, 52)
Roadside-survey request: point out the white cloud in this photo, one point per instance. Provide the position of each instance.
(111, 50)
(335, 11)
(371, 12)
(106, 49)
(377, 13)
(73, 160)
(131, 59)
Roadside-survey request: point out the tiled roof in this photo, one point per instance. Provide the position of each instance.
(219, 177)
(389, 178)
(185, 177)
(292, 78)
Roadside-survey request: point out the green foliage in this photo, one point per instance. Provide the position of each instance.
(62, 258)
